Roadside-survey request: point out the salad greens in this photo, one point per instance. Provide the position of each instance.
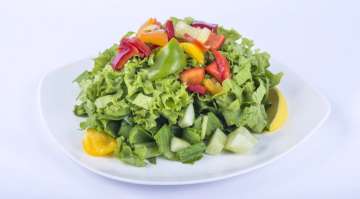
(144, 106)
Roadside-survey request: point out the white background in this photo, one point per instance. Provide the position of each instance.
(317, 39)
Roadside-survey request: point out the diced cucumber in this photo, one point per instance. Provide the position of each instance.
(177, 144)
(198, 122)
(188, 118)
(201, 34)
(240, 141)
(209, 124)
(217, 143)
(204, 126)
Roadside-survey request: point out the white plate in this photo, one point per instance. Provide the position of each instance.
(307, 111)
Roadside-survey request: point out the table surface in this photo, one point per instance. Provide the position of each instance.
(317, 39)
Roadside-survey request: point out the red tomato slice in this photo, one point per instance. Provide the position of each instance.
(192, 76)
(223, 65)
(213, 70)
(215, 41)
(197, 88)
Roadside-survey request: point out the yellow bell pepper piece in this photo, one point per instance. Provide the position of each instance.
(98, 143)
(194, 51)
(212, 86)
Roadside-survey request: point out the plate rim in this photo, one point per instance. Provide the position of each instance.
(184, 182)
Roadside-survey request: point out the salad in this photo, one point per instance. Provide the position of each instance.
(178, 90)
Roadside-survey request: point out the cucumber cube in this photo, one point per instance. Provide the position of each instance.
(188, 118)
(177, 144)
(217, 143)
(240, 141)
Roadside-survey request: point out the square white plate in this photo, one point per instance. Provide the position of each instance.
(307, 111)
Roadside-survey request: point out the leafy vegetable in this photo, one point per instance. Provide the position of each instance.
(163, 103)
(191, 153)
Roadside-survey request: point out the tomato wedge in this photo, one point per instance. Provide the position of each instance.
(197, 88)
(192, 76)
(222, 64)
(215, 41)
(213, 70)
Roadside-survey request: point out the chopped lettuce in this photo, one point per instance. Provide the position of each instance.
(148, 116)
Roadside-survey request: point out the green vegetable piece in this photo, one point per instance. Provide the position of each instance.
(211, 124)
(140, 151)
(274, 78)
(169, 60)
(119, 142)
(191, 153)
(192, 135)
(139, 135)
(198, 122)
(204, 126)
(142, 101)
(240, 141)
(79, 111)
(163, 140)
(124, 129)
(178, 144)
(104, 58)
(243, 75)
(232, 113)
(254, 117)
(111, 127)
(259, 93)
(103, 101)
(188, 118)
(128, 156)
(231, 34)
(217, 143)
(148, 150)
(83, 76)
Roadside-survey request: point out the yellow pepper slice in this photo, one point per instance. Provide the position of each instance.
(212, 86)
(98, 143)
(194, 51)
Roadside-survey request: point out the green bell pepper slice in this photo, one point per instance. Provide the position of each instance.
(169, 60)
